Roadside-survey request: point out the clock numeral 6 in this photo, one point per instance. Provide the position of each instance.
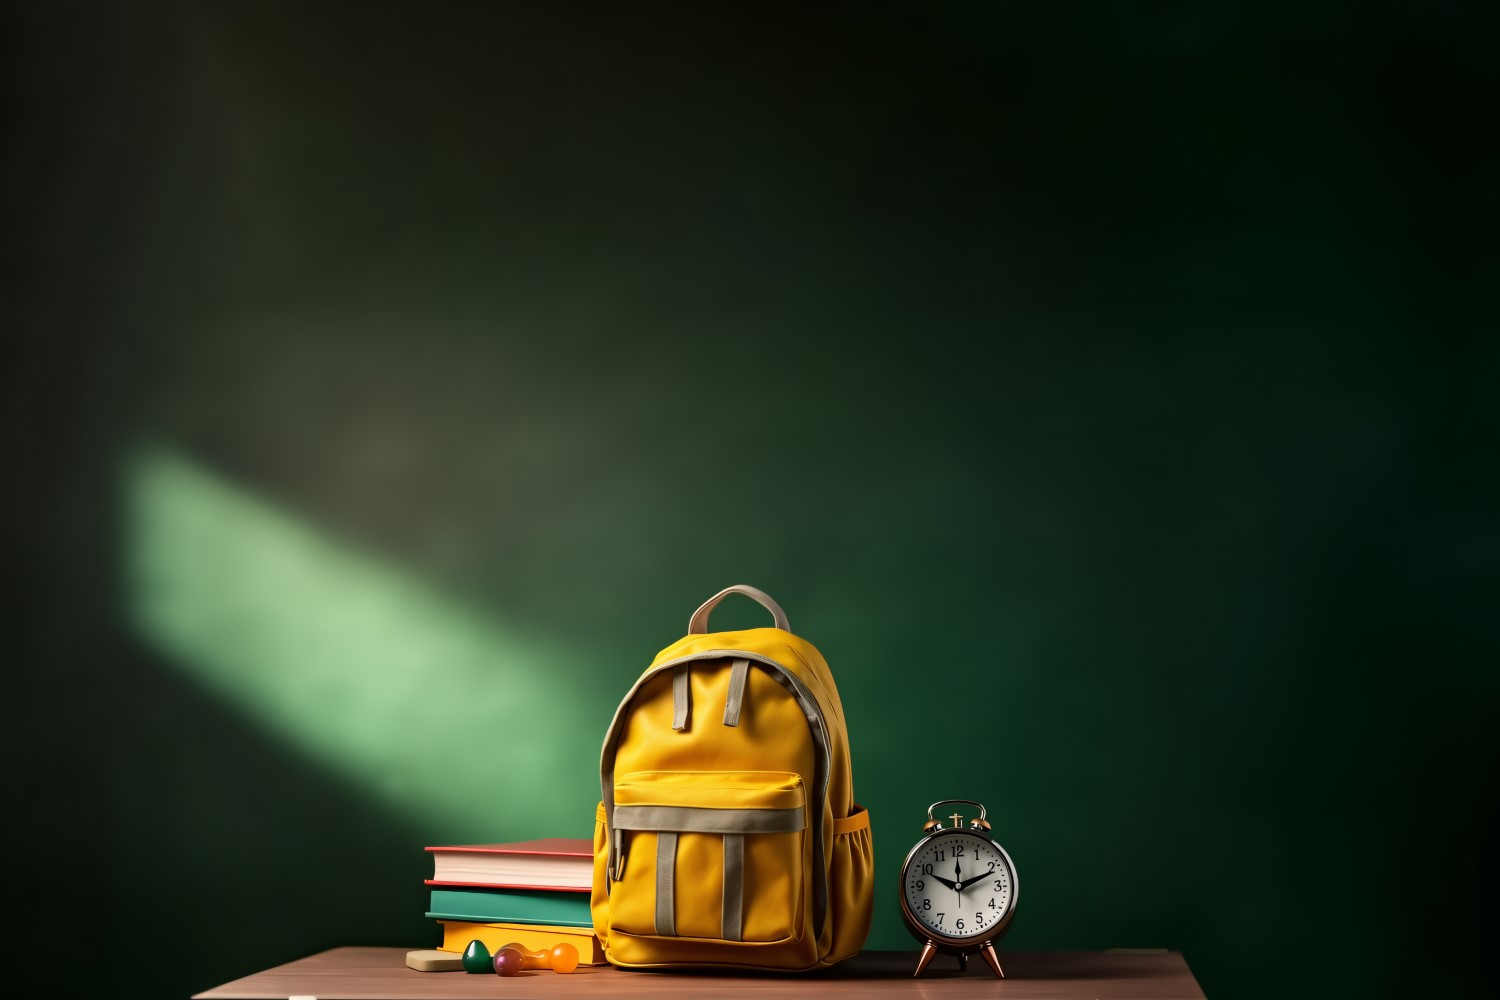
(960, 923)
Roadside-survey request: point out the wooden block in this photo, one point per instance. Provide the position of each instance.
(432, 960)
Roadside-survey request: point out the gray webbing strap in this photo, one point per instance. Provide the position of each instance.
(736, 698)
(666, 868)
(734, 886)
(682, 696)
(694, 819)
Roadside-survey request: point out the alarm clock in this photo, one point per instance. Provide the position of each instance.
(958, 889)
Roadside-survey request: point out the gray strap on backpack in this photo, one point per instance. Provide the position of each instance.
(738, 673)
(733, 912)
(682, 696)
(666, 871)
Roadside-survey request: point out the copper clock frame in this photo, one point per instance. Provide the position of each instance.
(935, 943)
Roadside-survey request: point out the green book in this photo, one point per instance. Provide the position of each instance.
(511, 906)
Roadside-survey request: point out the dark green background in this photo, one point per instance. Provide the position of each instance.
(1108, 393)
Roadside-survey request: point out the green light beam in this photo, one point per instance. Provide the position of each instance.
(436, 712)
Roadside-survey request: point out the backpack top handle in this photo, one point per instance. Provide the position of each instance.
(698, 625)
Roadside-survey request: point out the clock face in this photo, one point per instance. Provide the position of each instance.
(959, 886)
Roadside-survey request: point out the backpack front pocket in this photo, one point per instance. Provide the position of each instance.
(709, 854)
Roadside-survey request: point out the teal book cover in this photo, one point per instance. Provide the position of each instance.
(513, 906)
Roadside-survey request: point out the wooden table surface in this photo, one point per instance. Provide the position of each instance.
(381, 974)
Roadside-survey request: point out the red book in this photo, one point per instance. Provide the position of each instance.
(560, 863)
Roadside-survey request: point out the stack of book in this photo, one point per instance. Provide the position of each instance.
(534, 893)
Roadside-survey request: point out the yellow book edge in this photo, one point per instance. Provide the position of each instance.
(538, 937)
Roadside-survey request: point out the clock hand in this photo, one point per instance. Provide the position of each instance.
(971, 881)
(948, 882)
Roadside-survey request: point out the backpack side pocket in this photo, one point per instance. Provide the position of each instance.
(599, 896)
(851, 884)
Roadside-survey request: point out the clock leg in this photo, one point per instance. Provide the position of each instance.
(988, 951)
(963, 963)
(928, 950)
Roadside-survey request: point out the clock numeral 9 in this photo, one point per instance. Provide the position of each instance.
(921, 885)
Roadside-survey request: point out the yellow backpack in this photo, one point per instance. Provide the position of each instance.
(728, 835)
